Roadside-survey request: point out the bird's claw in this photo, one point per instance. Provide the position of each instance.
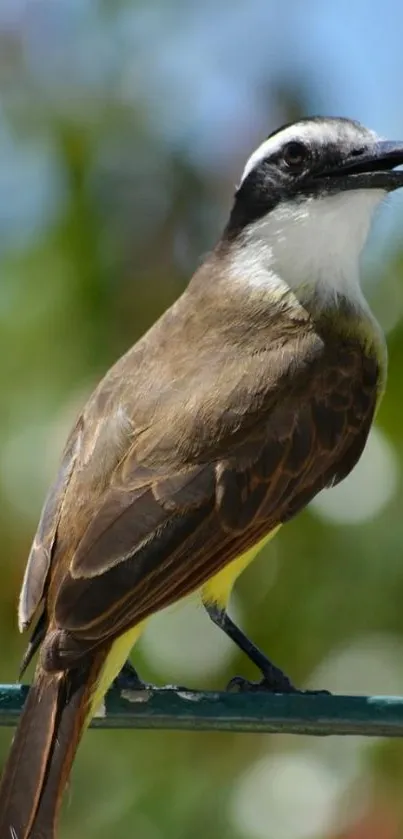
(240, 685)
(128, 679)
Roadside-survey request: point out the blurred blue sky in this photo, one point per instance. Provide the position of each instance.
(203, 75)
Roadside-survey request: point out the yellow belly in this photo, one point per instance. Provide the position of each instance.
(217, 590)
(118, 655)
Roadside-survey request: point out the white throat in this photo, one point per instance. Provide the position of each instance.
(314, 244)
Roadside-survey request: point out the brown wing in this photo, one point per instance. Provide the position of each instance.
(41, 552)
(148, 545)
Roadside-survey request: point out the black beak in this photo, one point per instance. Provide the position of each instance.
(370, 167)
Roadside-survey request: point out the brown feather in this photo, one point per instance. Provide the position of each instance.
(221, 423)
(38, 562)
(43, 750)
(144, 556)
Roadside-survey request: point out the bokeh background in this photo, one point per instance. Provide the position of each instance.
(124, 126)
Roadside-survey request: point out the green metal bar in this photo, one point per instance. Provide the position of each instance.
(195, 710)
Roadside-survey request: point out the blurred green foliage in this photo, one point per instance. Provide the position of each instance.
(125, 218)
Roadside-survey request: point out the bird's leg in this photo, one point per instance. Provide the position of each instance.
(273, 679)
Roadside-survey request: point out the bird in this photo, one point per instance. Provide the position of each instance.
(253, 392)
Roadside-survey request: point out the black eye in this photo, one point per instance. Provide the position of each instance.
(295, 156)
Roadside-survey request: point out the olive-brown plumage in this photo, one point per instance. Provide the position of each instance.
(240, 404)
(263, 425)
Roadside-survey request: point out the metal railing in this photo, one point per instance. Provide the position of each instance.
(213, 711)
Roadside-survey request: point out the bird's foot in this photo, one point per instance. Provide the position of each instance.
(269, 685)
(128, 679)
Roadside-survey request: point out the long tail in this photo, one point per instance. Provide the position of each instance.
(36, 772)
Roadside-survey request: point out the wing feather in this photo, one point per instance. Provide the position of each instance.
(158, 531)
(38, 564)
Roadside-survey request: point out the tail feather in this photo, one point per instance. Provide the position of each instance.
(54, 717)
(25, 769)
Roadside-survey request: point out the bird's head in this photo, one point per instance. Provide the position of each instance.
(307, 197)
